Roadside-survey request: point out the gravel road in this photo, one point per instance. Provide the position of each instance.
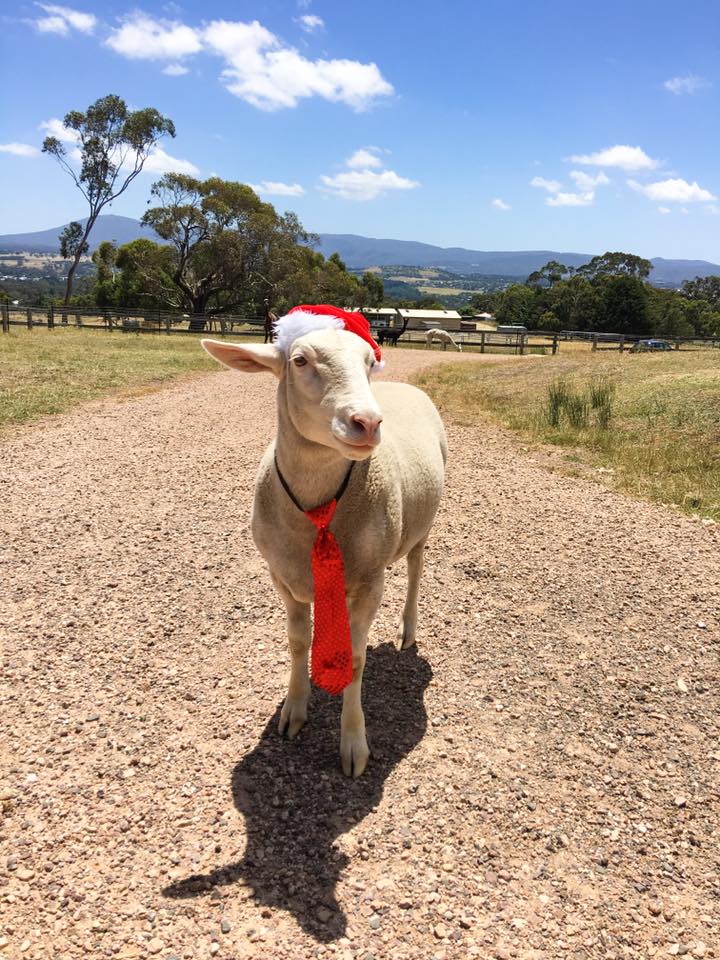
(546, 767)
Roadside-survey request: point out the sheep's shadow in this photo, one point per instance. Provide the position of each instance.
(296, 801)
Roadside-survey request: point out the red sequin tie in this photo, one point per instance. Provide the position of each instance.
(331, 663)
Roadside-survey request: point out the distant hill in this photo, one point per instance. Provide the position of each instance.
(110, 227)
(359, 251)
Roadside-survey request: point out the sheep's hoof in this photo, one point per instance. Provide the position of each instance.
(292, 718)
(405, 636)
(354, 754)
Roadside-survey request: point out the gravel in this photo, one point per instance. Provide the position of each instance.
(541, 784)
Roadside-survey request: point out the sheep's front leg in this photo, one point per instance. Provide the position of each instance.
(354, 750)
(294, 711)
(407, 631)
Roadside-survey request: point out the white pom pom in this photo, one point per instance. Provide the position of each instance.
(300, 322)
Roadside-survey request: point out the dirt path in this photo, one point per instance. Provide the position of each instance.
(545, 780)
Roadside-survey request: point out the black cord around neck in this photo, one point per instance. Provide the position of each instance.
(340, 491)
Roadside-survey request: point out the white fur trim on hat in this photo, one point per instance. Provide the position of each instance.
(300, 322)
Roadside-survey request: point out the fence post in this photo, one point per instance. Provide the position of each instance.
(622, 344)
(522, 344)
(5, 317)
(594, 341)
(482, 341)
(51, 317)
(78, 322)
(29, 318)
(555, 344)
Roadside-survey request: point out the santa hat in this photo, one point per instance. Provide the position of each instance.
(322, 316)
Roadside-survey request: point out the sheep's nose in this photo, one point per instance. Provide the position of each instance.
(366, 422)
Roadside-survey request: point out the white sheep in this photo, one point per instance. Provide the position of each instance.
(328, 424)
(443, 337)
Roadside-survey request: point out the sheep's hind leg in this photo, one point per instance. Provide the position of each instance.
(294, 710)
(354, 751)
(407, 629)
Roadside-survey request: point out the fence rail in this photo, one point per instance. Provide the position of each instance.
(175, 323)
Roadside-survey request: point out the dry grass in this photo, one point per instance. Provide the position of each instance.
(658, 436)
(47, 371)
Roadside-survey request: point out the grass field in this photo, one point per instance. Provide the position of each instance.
(648, 424)
(47, 371)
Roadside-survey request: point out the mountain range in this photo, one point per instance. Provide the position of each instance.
(358, 252)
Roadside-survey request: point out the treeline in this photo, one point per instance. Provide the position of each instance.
(609, 294)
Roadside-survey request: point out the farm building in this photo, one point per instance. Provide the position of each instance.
(416, 319)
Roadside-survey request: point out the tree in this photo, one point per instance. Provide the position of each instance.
(623, 306)
(614, 264)
(114, 144)
(72, 241)
(373, 290)
(703, 288)
(575, 302)
(548, 275)
(229, 249)
(515, 305)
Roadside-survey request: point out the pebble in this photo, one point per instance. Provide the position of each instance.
(700, 949)
(323, 914)
(680, 801)
(374, 922)
(155, 945)
(225, 926)
(24, 873)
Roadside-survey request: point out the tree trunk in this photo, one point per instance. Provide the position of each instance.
(199, 306)
(71, 272)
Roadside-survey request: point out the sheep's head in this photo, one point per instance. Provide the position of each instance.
(324, 378)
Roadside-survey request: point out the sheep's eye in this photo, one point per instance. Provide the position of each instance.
(299, 361)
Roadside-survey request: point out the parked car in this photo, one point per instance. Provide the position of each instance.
(642, 345)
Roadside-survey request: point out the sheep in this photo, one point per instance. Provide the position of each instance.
(443, 336)
(328, 429)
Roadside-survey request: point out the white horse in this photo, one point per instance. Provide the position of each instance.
(444, 337)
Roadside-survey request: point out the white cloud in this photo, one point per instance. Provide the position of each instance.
(689, 84)
(585, 195)
(365, 184)
(663, 209)
(19, 149)
(161, 162)
(364, 159)
(258, 68)
(175, 70)
(52, 25)
(585, 181)
(142, 38)
(310, 23)
(673, 190)
(275, 188)
(552, 186)
(627, 158)
(500, 204)
(584, 199)
(55, 128)
(61, 19)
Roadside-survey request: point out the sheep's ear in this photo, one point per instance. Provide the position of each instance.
(247, 358)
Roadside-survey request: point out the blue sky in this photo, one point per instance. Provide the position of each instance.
(486, 124)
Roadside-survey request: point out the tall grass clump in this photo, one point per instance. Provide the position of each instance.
(568, 403)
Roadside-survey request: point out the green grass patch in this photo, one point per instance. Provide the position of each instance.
(652, 420)
(48, 371)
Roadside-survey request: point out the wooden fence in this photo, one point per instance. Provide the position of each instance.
(165, 322)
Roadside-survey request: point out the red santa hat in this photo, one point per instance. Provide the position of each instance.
(322, 316)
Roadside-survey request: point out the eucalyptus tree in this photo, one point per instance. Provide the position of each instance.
(108, 146)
